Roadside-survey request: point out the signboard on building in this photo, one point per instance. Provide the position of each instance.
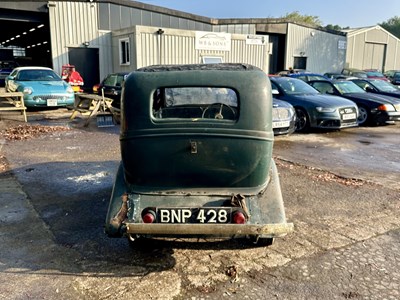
(342, 45)
(252, 39)
(219, 41)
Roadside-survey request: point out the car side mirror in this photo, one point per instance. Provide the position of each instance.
(9, 77)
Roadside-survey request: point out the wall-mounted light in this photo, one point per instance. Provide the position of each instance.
(312, 33)
(302, 53)
(86, 44)
(160, 31)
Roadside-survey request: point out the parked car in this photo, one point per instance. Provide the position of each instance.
(290, 71)
(393, 76)
(196, 148)
(41, 86)
(375, 74)
(307, 76)
(338, 76)
(373, 109)
(283, 117)
(354, 73)
(378, 86)
(313, 109)
(112, 87)
(6, 68)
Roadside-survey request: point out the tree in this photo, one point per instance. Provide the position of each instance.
(335, 27)
(392, 25)
(297, 17)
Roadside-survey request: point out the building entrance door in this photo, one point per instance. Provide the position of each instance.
(86, 62)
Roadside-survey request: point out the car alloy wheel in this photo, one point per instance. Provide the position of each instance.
(363, 115)
(302, 122)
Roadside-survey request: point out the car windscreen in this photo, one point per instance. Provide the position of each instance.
(384, 86)
(38, 75)
(346, 87)
(296, 87)
(114, 80)
(218, 103)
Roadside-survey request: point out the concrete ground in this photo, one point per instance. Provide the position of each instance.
(340, 193)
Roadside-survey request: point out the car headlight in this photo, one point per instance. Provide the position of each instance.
(386, 107)
(292, 112)
(325, 109)
(70, 89)
(27, 90)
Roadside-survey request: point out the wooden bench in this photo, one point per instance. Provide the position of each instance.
(12, 101)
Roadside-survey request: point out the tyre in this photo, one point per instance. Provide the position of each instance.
(302, 120)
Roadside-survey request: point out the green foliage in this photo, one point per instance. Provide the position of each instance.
(297, 17)
(392, 25)
(333, 27)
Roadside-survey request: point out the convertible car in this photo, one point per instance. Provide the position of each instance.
(41, 87)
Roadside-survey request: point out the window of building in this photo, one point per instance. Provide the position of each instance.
(300, 63)
(212, 60)
(124, 53)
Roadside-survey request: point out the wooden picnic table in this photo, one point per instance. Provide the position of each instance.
(11, 101)
(91, 104)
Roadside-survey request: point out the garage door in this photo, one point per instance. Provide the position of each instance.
(374, 56)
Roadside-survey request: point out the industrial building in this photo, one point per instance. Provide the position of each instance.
(104, 36)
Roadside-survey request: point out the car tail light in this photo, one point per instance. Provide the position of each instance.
(238, 217)
(149, 216)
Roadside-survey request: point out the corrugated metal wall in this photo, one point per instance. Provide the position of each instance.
(373, 48)
(235, 28)
(71, 25)
(178, 47)
(115, 17)
(320, 48)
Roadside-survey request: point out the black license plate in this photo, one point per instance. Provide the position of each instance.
(209, 215)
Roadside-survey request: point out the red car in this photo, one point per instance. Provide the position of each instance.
(375, 74)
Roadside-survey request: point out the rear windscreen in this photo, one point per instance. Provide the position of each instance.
(218, 103)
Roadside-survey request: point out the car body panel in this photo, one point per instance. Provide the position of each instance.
(371, 102)
(41, 87)
(310, 99)
(179, 158)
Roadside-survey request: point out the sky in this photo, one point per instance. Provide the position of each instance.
(352, 13)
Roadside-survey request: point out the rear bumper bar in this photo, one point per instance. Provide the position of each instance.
(271, 230)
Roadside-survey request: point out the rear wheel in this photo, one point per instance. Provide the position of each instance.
(363, 116)
(302, 121)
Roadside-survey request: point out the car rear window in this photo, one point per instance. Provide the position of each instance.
(218, 103)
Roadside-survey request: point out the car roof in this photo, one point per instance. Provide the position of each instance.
(33, 68)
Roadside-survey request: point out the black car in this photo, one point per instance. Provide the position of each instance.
(112, 87)
(373, 109)
(314, 110)
(393, 76)
(6, 68)
(378, 86)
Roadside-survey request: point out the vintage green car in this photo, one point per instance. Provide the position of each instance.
(196, 145)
